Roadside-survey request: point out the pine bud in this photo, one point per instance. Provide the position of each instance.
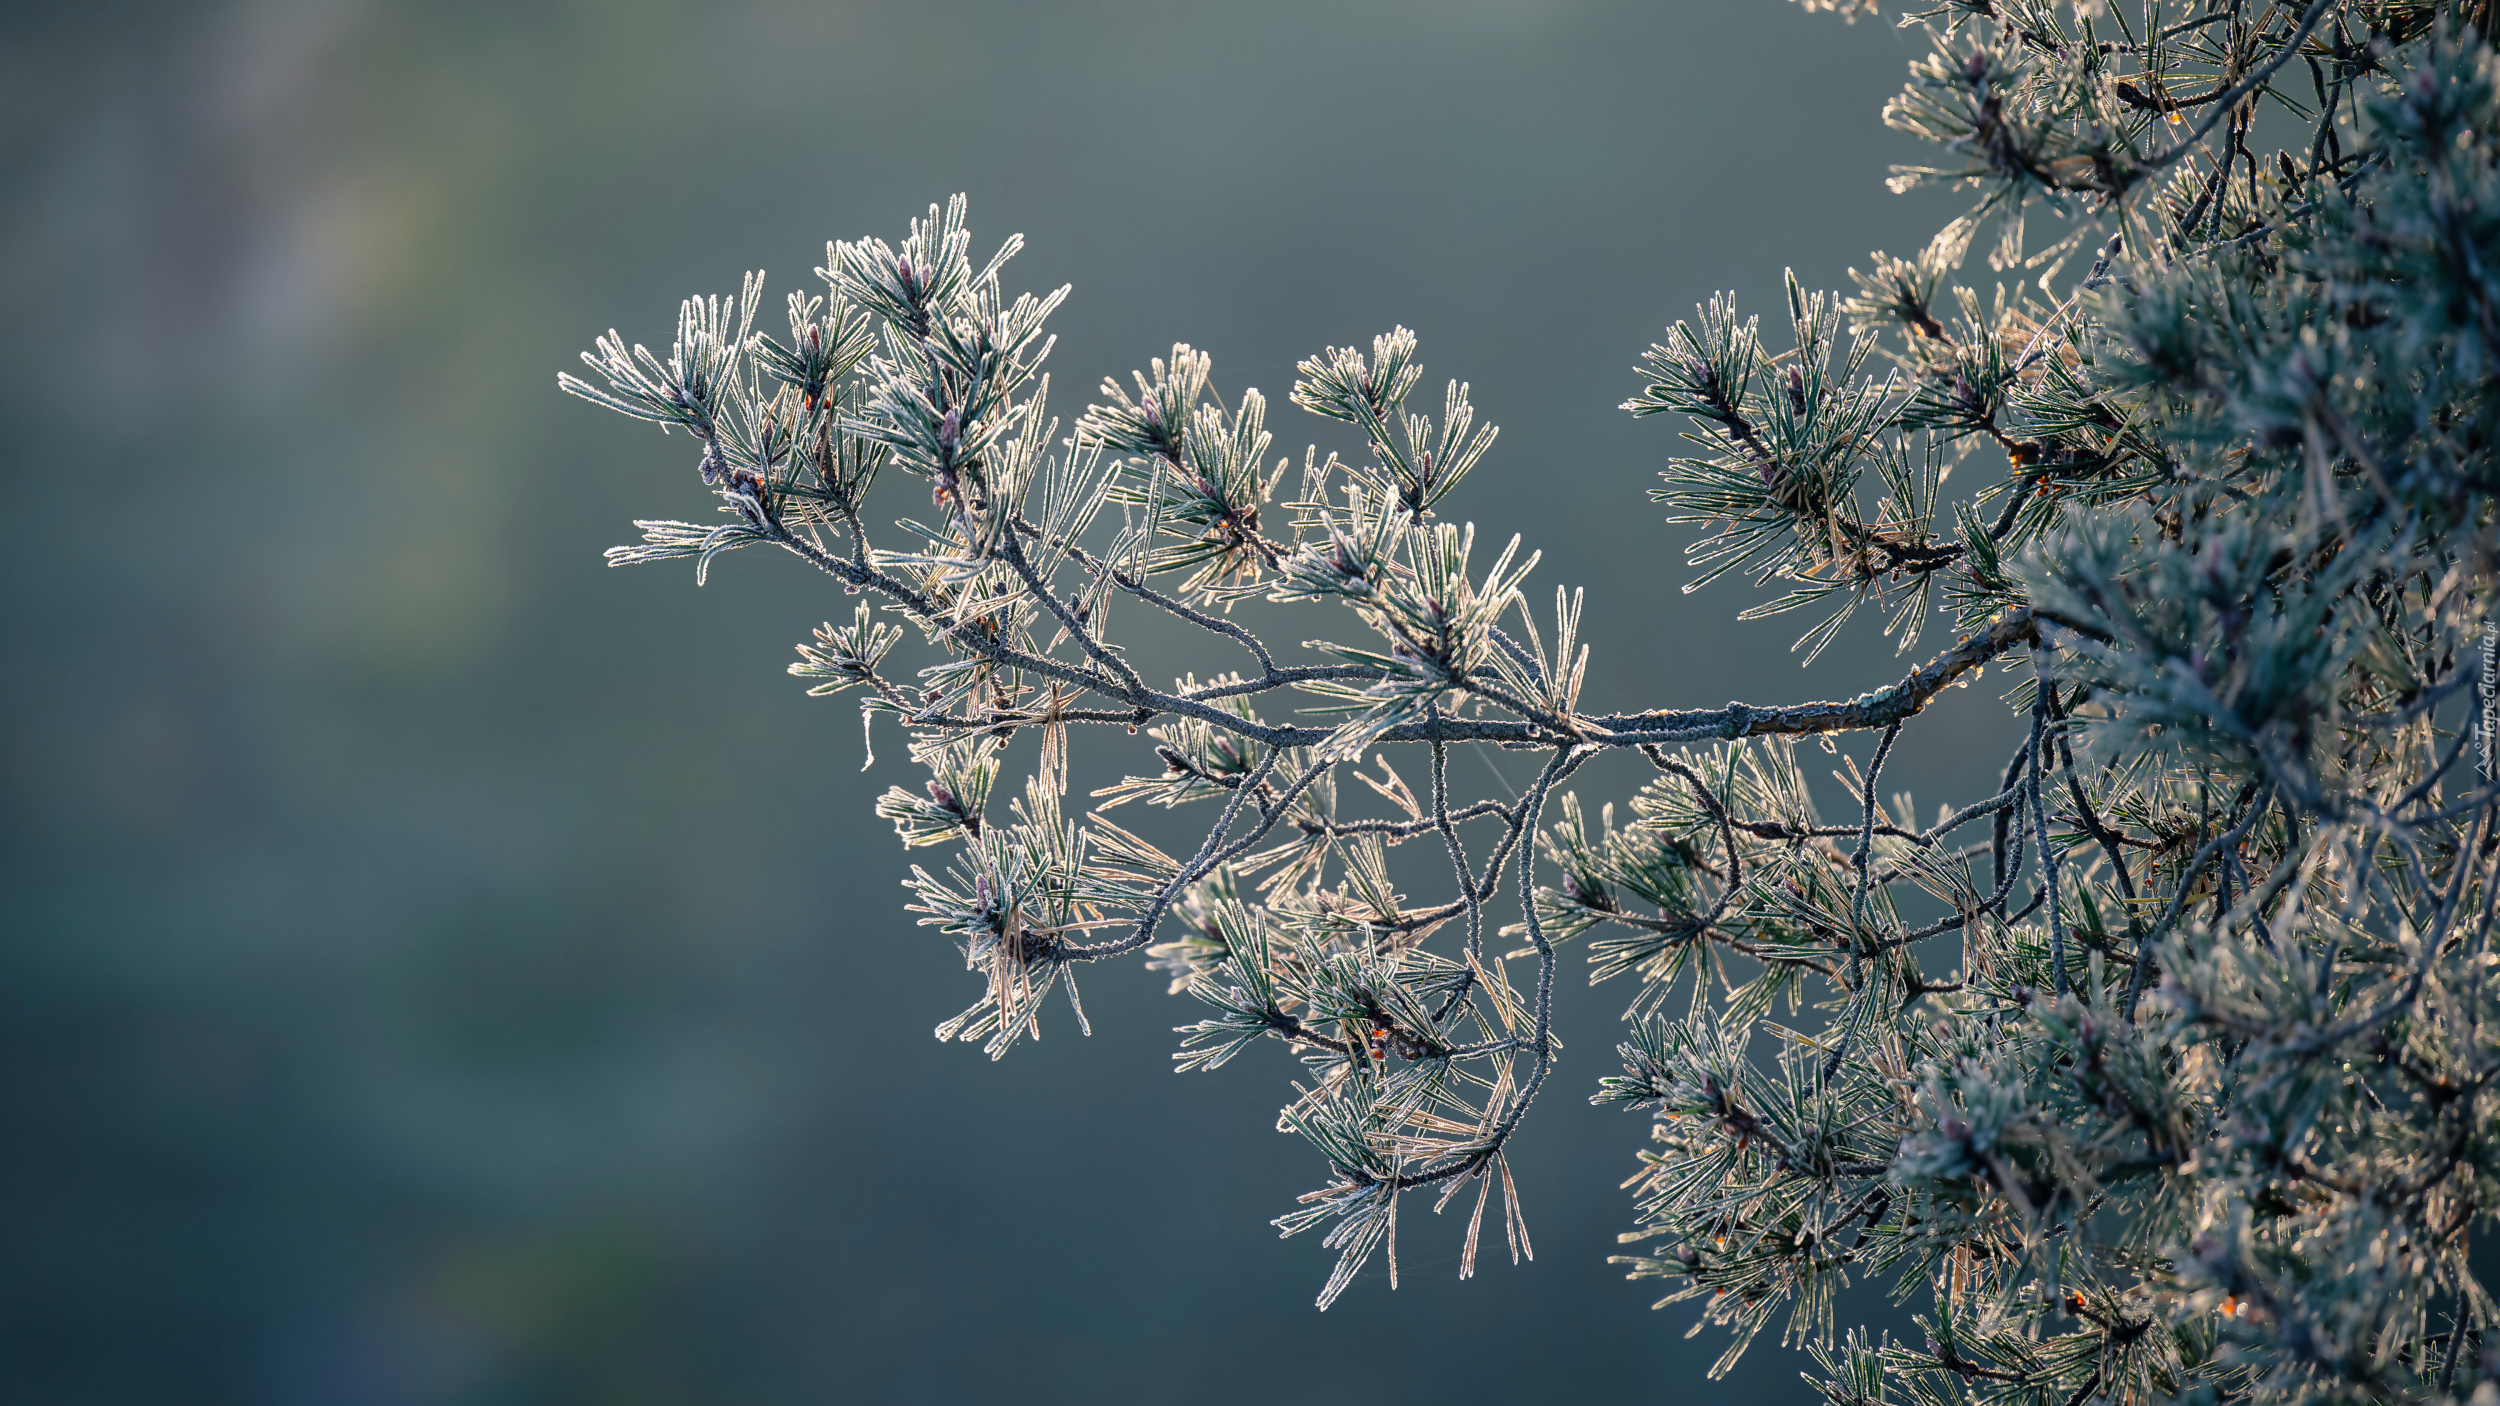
(749, 494)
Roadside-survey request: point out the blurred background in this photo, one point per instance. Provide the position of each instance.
(437, 968)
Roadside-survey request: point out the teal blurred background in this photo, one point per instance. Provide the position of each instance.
(436, 968)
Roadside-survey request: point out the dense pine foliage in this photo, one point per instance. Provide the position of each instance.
(2156, 1073)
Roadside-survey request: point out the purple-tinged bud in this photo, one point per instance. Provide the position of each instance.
(749, 494)
(1797, 392)
(950, 432)
(902, 271)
